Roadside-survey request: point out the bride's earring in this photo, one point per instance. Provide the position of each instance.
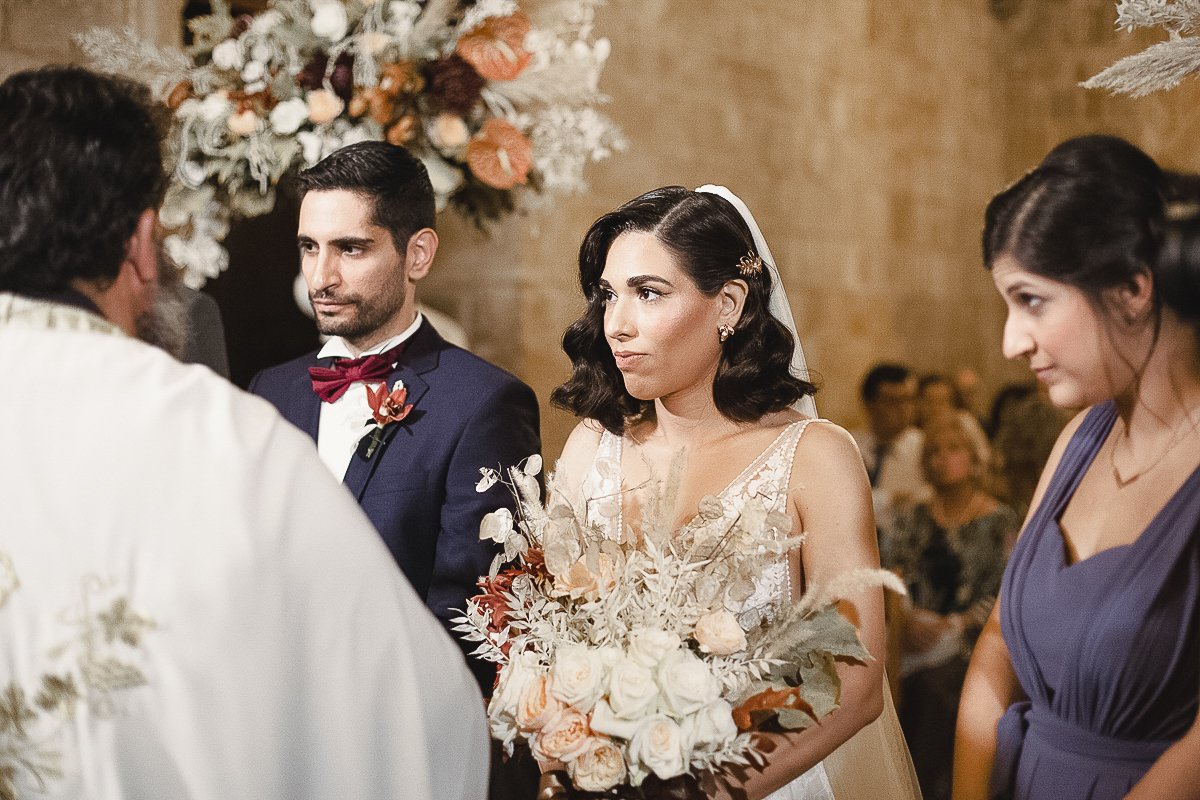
(724, 330)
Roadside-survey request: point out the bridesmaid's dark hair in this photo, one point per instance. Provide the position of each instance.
(1093, 215)
(707, 237)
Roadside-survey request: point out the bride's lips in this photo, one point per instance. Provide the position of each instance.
(627, 358)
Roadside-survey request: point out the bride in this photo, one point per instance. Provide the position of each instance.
(687, 347)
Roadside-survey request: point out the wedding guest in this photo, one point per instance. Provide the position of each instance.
(367, 238)
(950, 550)
(687, 344)
(189, 606)
(1027, 425)
(891, 443)
(937, 394)
(1085, 682)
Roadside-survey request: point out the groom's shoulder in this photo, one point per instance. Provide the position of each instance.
(481, 377)
(281, 374)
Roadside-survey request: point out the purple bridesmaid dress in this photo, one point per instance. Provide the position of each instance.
(1106, 649)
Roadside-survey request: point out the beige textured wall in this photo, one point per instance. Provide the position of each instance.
(866, 135)
(865, 139)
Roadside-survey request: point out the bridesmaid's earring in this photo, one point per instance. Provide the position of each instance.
(724, 330)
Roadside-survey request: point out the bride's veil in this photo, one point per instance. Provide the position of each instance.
(779, 307)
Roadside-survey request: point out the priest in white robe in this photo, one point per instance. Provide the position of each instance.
(190, 606)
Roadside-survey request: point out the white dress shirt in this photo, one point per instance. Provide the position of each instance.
(346, 420)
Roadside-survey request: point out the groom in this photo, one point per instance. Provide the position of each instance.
(366, 237)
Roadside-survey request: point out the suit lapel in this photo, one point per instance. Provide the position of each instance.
(420, 357)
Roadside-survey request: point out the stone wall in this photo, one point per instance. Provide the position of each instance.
(866, 136)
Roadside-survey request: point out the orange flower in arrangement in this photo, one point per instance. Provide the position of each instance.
(500, 155)
(400, 77)
(496, 48)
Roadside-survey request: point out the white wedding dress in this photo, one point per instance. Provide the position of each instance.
(875, 762)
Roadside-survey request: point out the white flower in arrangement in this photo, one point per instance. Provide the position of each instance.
(658, 746)
(444, 178)
(265, 22)
(632, 690)
(650, 646)
(215, 106)
(192, 174)
(262, 52)
(686, 683)
(711, 726)
(496, 525)
(598, 768)
(578, 676)
(254, 71)
(605, 721)
(402, 15)
(718, 632)
(330, 21)
(374, 41)
(227, 55)
(287, 117)
(311, 144)
(521, 670)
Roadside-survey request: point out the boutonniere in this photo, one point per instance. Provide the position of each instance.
(386, 409)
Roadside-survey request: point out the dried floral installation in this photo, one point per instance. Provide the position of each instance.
(500, 105)
(1160, 66)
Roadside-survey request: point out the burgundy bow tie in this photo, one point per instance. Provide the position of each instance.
(330, 383)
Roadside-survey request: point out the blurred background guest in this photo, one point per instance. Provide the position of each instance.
(950, 550)
(938, 394)
(1025, 425)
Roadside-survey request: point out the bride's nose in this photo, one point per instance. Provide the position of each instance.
(618, 323)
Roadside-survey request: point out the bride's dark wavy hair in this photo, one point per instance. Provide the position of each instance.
(707, 237)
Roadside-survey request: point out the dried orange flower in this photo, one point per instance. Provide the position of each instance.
(181, 92)
(496, 48)
(400, 78)
(403, 131)
(500, 155)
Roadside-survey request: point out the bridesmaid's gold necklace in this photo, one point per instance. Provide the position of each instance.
(1178, 436)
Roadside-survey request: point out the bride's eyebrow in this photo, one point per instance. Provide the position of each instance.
(639, 280)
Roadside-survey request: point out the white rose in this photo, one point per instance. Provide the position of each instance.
(215, 106)
(261, 52)
(578, 676)
(191, 173)
(288, 116)
(718, 632)
(632, 691)
(649, 646)
(711, 726)
(598, 768)
(254, 71)
(444, 177)
(686, 683)
(658, 744)
(312, 145)
(514, 677)
(227, 55)
(329, 21)
(564, 737)
(606, 722)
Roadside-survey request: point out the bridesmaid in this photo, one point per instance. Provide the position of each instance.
(1085, 681)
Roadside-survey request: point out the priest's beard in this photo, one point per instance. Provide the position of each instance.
(165, 324)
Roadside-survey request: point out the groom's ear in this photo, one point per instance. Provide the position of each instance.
(731, 299)
(422, 247)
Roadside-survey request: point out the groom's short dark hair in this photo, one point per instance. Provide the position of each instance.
(393, 179)
(80, 161)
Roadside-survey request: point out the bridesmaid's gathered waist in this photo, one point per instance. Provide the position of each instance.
(1060, 734)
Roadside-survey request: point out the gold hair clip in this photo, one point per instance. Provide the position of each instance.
(749, 265)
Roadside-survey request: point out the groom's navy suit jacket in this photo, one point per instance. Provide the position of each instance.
(418, 488)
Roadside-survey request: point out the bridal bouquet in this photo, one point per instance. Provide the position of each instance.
(655, 653)
(497, 103)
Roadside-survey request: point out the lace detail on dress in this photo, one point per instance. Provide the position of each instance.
(767, 478)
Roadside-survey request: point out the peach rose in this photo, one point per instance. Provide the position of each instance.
(718, 632)
(243, 123)
(323, 106)
(537, 705)
(598, 768)
(564, 737)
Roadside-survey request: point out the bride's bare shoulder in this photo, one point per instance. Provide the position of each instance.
(579, 451)
(827, 446)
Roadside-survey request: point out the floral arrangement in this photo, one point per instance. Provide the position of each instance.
(648, 655)
(1160, 66)
(495, 102)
